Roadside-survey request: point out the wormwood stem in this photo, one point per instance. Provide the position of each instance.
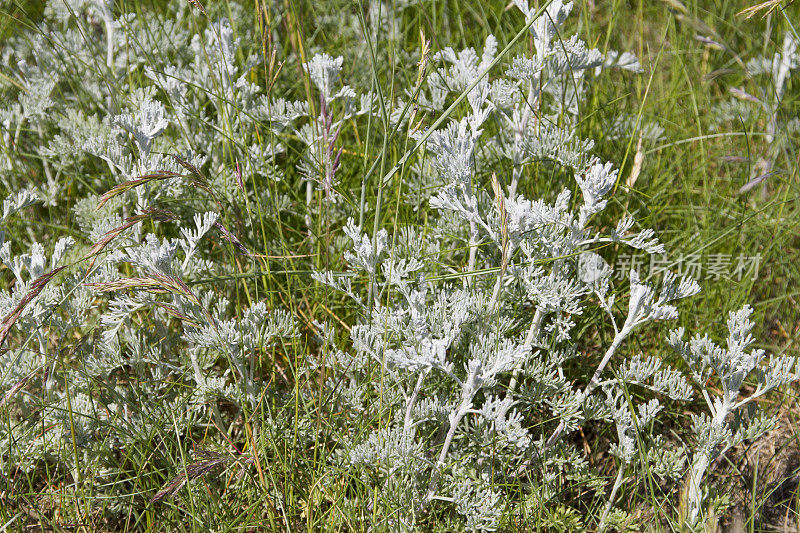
(533, 334)
(48, 173)
(109, 24)
(455, 419)
(408, 421)
(473, 250)
(519, 132)
(617, 484)
(595, 381)
(700, 465)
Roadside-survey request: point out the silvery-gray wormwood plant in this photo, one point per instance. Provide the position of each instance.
(458, 378)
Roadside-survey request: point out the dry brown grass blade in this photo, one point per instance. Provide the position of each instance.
(191, 168)
(198, 5)
(155, 282)
(676, 5)
(193, 471)
(501, 211)
(135, 182)
(208, 462)
(110, 235)
(17, 387)
(239, 181)
(199, 180)
(196, 178)
(769, 6)
(231, 238)
(171, 311)
(636, 169)
(36, 287)
(146, 283)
